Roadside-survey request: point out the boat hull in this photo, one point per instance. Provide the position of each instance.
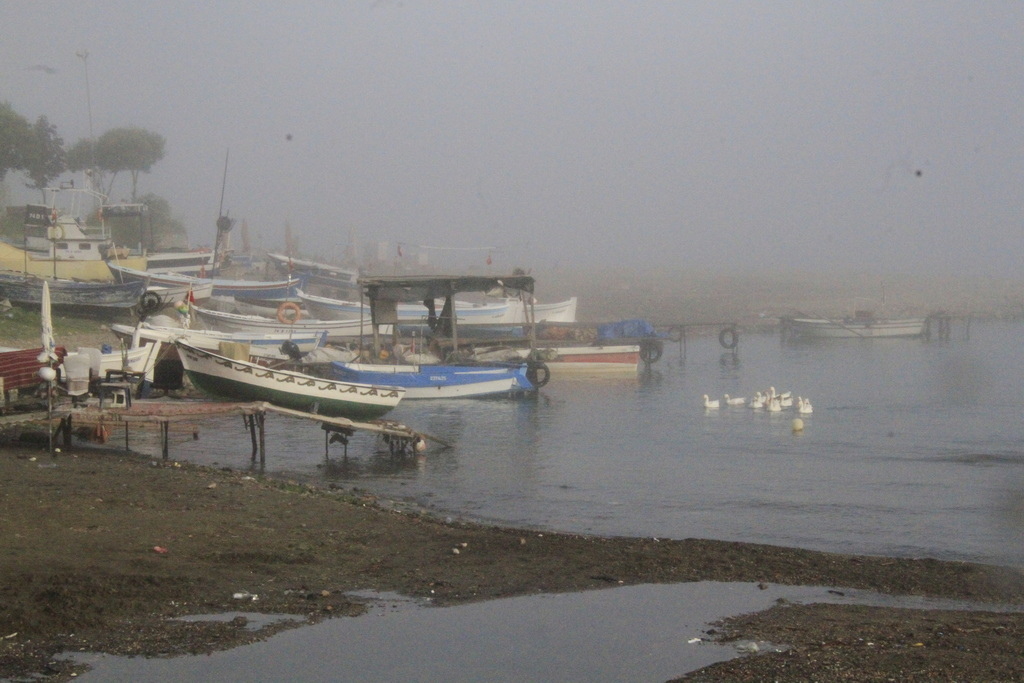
(260, 345)
(241, 381)
(439, 381)
(852, 328)
(71, 293)
(20, 261)
(235, 322)
(277, 290)
(338, 309)
(601, 360)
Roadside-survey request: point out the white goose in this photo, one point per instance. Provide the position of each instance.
(803, 406)
(708, 403)
(774, 404)
(758, 401)
(786, 400)
(729, 401)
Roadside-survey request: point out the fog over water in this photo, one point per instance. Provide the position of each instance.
(719, 135)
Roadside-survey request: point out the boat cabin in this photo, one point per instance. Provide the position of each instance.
(437, 294)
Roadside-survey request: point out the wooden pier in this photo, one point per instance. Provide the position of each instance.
(62, 421)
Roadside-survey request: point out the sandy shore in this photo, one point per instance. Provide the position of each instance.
(102, 547)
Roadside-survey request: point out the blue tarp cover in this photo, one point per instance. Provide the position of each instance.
(625, 328)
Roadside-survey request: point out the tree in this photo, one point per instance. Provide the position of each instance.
(168, 231)
(128, 149)
(44, 157)
(79, 155)
(15, 132)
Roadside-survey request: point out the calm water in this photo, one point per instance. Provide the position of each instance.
(913, 449)
(633, 633)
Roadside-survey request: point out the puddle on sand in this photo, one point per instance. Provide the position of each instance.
(647, 632)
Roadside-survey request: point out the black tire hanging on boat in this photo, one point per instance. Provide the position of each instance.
(651, 350)
(291, 349)
(149, 303)
(728, 338)
(538, 373)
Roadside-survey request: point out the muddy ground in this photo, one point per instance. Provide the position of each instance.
(101, 547)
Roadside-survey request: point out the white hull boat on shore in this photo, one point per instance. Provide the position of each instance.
(288, 320)
(274, 346)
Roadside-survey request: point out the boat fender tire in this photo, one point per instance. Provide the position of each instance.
(284, 317)
(651, 350)
(58, 232)
(538, 373)
(728, 338)
(149, 303)
(291, 349)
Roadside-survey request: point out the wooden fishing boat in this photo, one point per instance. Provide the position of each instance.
(277, 289)
(467, 313)
(324, 274)
(241, 381)
(598, 359)
(92, 296)
(263, 345)
(441, 381)
(64, 240)
(863, 325)
(288, 320)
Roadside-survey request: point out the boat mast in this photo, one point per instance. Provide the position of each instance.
(223, 222)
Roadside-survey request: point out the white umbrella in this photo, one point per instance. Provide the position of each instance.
(49, 344)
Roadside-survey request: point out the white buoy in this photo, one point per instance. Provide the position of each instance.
(798, 425)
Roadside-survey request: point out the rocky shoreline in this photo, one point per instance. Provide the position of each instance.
(103, 547)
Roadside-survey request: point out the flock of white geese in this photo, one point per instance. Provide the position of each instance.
(770, 400)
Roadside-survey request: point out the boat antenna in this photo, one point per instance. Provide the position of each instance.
(224, 223)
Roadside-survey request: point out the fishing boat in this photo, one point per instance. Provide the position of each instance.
(242, 381)
(491, 313)
(441, 381)
(277, 346)
(66, 237)
(95, 297)
(279, 290)
(324, 274)
(288, 319)
(593, 359)
(863, 325)
(198, 292)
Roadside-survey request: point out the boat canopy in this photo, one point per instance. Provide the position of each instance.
(385, 292)
(421, 287)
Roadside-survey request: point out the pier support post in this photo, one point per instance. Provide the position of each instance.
(262, 416)
(250, 422)
(165, 437)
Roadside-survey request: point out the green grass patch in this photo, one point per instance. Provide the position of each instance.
(20, 324)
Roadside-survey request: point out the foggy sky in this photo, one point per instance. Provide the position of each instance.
(735, 136)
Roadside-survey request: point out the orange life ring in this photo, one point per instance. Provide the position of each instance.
(283, 316)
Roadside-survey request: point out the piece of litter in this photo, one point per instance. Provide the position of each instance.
(691, 641)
